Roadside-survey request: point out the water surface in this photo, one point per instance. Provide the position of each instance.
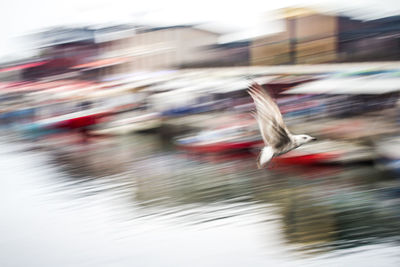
(135, 201)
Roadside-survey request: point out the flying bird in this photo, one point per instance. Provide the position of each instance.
(276, 136)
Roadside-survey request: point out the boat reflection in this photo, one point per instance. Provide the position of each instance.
(319, 208)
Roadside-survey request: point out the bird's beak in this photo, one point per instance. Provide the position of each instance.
(313, 139)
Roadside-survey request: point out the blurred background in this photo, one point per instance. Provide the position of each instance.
(126, 137)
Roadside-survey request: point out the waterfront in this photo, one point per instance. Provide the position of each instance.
(129, 136)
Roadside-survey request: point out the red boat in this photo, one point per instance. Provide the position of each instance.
(220, 146)
(222, 140)
(326, 152)
(74, 120)
(304, 159)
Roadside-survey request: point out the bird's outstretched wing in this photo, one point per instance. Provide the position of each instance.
(272, 127)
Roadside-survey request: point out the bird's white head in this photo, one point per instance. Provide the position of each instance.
(301, 139)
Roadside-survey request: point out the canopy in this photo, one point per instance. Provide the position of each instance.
(102, 63)
(23, 66)
(350, 85)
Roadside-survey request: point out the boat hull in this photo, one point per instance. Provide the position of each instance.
(130, 128)
(309, 159)
(219, 147)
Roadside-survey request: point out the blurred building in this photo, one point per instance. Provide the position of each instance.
(97, 52)
(158, 49)
(309, 37)
(374, 40)
(170, 47)
(65, 49)
(312, 37)
(224, 55)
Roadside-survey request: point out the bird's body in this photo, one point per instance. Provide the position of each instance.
(277, 138)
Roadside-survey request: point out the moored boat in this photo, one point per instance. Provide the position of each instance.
(327, 152)
(143, 122)
(221, 140)
(72, 121)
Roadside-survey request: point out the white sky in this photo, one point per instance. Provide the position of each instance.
(246, 17)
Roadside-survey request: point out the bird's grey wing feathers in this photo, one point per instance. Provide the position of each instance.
(272, 127)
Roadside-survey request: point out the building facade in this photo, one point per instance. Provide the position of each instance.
(170, 47)
(311, 37)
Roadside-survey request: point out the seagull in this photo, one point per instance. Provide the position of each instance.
(276, 136)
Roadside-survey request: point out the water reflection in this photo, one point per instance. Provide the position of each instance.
(319, 208)
(141, 179)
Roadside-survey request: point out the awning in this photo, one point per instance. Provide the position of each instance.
(24, 66)
(102, 63)
(356, 86)
(291, 80)
(117, 90)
